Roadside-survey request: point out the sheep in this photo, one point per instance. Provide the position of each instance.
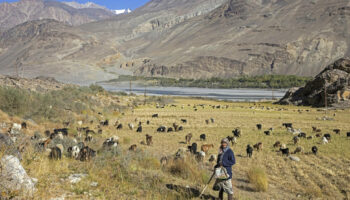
(212, 158)
(202, 137)
(193, 148)
(133, 147)
(56, 153)
(296, 139)
(149, 140)
(277, 144)
(298, 150)
(232, 139)
(188, 138)
(314, 150)
(285, 151)
(73, 151)
(259, 126)
(206, 147)
(249, 151)
(237, 132)
(131, 126)
(258, 146)
(120, 126)
(324, 140)
(200, 156)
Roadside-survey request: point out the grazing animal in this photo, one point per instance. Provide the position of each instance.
(86, 153)
(324, 140)
(148, 122)
(267, 132)
(161, 129)
(207, 121)
(111, 142)
(139, 129)
(133, 147)
(336, 131)
(149, 140)
(184, 121)
(200, 156)
(164, 160)
(237, 132)
(66, 124)
(258, 146)
(302, 135)
(155, 116)
(277, 144)
(63, 131)
(314, 150)
(232, 139)
(212, 158)
(309, 137)
(88, 138)
(298, 150)
(296, 139)
(316, 130)
(73, 152)
(100, 131)
(287, 125)
(131, 126)
(205, 147)
(24, 125)
(188, 138)
(212, 120)
(202, 137)
(285, 151)
(56, 153)
(318, 135)
(180, 128)
(193, 148)
(348, 134)
(259, 126)
(328, 136)
(104, 123)
(170, 129)
(80, 123)
(176, 127)
(120, 126)
(249, 151)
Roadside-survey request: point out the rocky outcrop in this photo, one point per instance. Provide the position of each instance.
(14, 178)
(332, 85)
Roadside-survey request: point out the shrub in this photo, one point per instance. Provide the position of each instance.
(258, 178)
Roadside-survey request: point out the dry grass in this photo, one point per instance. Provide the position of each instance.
(258, 178)
(138, 175)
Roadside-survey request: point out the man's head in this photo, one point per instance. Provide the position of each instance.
(224, 143)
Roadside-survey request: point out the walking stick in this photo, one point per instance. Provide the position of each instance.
(211, 178)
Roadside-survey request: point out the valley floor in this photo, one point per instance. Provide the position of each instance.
(139, 175)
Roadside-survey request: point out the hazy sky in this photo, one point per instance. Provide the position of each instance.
(111, 4)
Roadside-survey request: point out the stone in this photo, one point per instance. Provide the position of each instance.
(294, 158)
(14, 177)
(76, 178)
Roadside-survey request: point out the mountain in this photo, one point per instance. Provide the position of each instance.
(122, 11)
(333, 81)
(77, 5)
(12, 14)
(54, 49)
(248, 37)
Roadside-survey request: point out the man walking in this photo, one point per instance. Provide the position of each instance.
(226, 159)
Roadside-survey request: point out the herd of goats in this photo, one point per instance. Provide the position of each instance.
(81, 150)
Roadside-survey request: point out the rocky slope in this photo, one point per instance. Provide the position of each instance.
(250, 38)
(333, 81)
(12, 14)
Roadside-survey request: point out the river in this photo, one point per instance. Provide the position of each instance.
(241, 94)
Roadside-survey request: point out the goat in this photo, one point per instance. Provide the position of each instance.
(212, 158)
(133, 147)
(202, 137)
(73, 151)
(258, 146)
(139, 129)
(232, 139)
(324, 140)
(200, 156)
(336, 131)
(259, 126)
(298, 150)
(86, 153)
(120, 126)
(56, 153)
(193, 148)
(267, 132)
(24, 125)
(170, 129)
(205, 147)
(285, 151)
(296, 139)
(277, 144)
(155, 116)
(188, 138)
(149, 140)
(237, 132)
(131, 126)
(184, 121)
(314, 150)
(328, 136)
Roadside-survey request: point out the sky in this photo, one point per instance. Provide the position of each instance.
(111, 4)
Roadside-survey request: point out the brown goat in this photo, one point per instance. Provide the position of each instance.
(277, 144)
(258, 146)
(149, 140)
(205, 147)
(133, 147)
